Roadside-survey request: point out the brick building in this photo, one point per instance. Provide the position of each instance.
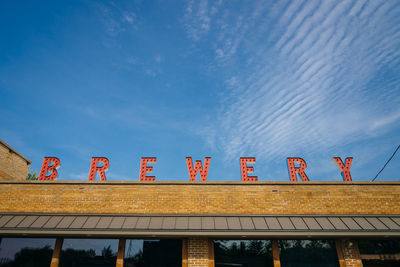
(222, 224)
(13, 166)
(207, 223)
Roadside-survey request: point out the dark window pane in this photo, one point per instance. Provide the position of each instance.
(379, 246)
(26, 252)
(380, 252)
(308, 253)
(153, 253)
(89, 252)
(246, 253)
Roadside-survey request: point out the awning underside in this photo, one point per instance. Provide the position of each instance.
(240, 226)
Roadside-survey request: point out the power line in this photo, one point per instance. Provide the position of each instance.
(394, 153)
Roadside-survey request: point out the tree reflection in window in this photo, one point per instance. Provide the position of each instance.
(153, 253)
(380, 252)
(308, 253)
(245, 253)
(89, 252)
(26, 252)
(379, 246)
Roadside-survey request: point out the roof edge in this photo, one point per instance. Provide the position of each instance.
(201, 233)
(14, 151)
(198, 183)
(191, 215)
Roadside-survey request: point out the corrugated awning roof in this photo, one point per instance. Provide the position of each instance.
(199, 225)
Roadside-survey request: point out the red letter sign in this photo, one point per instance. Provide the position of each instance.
(102, 169)
(344, 169)
(144, 169)
(198, 167)
(246, 170)
(46, 168)
(300, 170)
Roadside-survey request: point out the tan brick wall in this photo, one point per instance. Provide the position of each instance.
(198, 252)
(201, 198)
(351, 253)
(12, 166)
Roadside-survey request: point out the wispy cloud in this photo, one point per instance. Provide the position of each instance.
(76, 176)
(115, 20)
(306, 74)
(129, 17)
(198, 17)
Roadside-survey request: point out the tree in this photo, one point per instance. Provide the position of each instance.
(31, 176)
(107, 252)
(256, 248)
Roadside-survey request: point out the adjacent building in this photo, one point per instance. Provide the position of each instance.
(13, 166)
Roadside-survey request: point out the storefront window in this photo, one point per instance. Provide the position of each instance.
(380, 252)
(26, 252)
(243, 253)
(89, 252)
(379, 246)
(308, 253)
(153, 253)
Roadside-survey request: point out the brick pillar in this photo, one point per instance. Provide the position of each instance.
(348, 253)
(198, 252)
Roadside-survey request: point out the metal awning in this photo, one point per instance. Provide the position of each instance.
(232, 226)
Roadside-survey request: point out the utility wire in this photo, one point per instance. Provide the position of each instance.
(394, 153)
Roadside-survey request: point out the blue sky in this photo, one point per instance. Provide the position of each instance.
(225, 79)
